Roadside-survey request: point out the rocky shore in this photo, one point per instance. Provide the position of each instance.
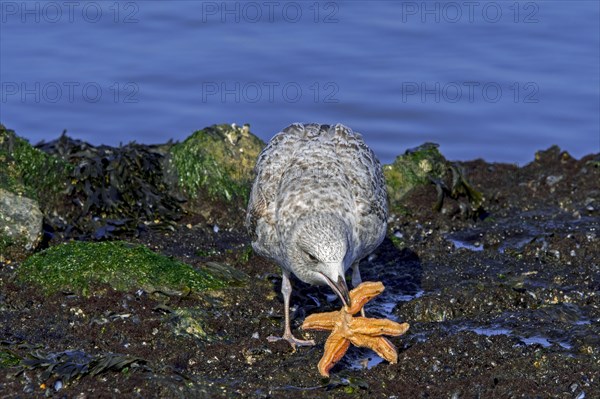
(126, 271)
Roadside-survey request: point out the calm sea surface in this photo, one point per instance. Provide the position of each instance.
(497, 80)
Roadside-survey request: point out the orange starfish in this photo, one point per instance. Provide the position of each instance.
(360, 331)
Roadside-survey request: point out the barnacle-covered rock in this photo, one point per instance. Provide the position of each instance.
(217, 162)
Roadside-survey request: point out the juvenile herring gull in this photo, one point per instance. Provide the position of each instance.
(318, 206)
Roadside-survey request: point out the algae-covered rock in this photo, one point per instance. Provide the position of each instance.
(187, 322)
(425, 165)
(77, 266)
(416, 167)
(217, 160)
(20, 223)
(25, 170)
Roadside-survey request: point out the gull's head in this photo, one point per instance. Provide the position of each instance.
(319, 253)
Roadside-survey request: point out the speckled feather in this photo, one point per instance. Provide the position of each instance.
(312, 169)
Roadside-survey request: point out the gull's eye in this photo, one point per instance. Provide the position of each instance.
(312, 258)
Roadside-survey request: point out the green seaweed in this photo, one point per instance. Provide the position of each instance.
(217, 160)
(22, 167)
(462, 187)
(245, 254)
(6, 242)
(8, 359)
(398, 242)
(76, 266)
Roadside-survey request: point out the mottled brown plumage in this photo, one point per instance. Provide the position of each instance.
(318, 206)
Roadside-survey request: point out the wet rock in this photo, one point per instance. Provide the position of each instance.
(80, 266)
(552, 180)
(469, 239)
(255, 354)
(466, 300)
(227, 273)
(592, 205)
(217, 162)
(20, 223)
(552, 155)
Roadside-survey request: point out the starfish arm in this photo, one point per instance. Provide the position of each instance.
(320, 321)
(380, 345)
(335, 348)
(363, 294)
(360, 331)
(377, 327)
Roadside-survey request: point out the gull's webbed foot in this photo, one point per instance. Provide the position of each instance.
(287, 336)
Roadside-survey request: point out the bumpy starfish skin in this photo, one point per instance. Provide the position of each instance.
(360, 331)
(362, 294)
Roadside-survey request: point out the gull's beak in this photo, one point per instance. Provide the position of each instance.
(340, 288)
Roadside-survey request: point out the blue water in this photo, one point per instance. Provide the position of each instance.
(497, 80)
